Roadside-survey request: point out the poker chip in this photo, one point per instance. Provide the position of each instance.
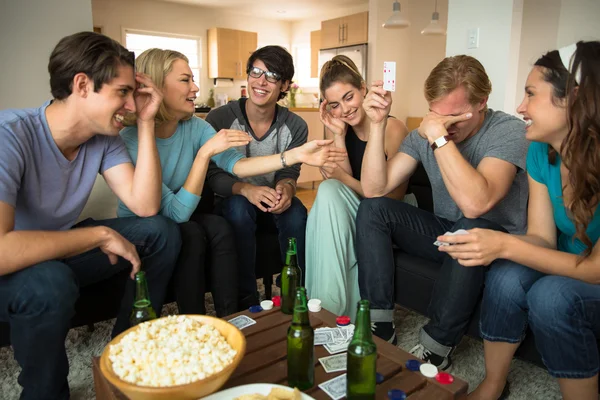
(413, 365)
(444, 378)
(266, 304)
(342, 320)
(396, 394)
(314, 305)
(277, 301)
(428, 370)
(255, 309)
(379, 378)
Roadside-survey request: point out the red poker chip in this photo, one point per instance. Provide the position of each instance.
(444, 378)
(276, 301)
(342, 320)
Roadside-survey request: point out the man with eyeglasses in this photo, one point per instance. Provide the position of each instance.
(269, 199)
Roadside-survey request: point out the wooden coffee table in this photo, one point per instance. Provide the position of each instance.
(265, 362)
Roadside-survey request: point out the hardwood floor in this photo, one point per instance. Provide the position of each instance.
(306, 193)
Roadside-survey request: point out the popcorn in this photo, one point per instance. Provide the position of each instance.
(170, 351)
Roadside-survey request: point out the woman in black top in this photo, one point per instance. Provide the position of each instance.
(331, 267)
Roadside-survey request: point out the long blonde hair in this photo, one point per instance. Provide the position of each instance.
(157, 63)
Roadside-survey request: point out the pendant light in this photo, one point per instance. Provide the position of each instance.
(434, 27)
(397, 19)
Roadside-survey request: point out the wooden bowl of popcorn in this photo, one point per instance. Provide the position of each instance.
(175, 357)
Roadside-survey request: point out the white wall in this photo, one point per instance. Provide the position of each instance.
(496, 41)
(563, 22)
(29, 30)
(115, 15)
(415, 55)
(578, 21)
(538, 35)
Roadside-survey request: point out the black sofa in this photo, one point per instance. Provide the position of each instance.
(102, 300)
(415, 276)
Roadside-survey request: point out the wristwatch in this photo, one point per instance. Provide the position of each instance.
(440, 142)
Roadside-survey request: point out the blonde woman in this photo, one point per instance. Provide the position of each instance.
(185, 145)
(331, 267)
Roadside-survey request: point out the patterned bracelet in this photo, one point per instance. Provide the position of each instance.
(282, 157)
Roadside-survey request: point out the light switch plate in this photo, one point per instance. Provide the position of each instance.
(473, 38)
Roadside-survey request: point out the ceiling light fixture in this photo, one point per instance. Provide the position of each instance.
(396, 20)
(434, 27)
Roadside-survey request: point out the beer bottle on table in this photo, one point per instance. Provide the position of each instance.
(301, 346)
(290, 278)
(142, 307)
(362, 357)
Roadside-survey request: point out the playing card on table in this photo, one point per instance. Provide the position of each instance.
(323, 337)
(335, 388)
(338, 347)
(389, 76)
(336, 333)
(242, 321)
(334, 363)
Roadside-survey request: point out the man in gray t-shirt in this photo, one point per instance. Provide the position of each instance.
(50, 158)
(475, 160)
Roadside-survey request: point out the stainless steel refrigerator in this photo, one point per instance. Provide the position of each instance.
(358, 54)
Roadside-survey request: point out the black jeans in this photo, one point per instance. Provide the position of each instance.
(207, 255)
(382, 222)
(244, 217)
(38, 301)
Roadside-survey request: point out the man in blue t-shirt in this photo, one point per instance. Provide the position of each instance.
(49, 160)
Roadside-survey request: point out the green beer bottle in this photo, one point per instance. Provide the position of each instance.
(142, 308)
(290, 278)
(362, 357)
(301, 346)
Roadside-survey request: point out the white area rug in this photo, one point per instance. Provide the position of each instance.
(528, 382)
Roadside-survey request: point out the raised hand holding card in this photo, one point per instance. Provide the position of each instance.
(389, 76)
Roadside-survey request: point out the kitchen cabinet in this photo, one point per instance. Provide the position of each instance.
(228, 51)
(345, 31)
(315, 45)
(315, 131)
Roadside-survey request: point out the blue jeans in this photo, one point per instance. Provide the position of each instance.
(564, 315)
(38, 301)
(381, 222)
(244, 217)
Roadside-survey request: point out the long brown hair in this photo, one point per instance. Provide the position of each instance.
(340, 69)
(580, 149)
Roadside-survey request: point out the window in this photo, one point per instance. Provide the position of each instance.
(302, 66)
(138, 42)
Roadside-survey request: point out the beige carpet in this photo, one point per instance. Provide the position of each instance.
(528, 382)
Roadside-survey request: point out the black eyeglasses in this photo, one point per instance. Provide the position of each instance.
(272, 77)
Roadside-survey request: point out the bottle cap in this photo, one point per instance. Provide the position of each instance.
(314, 305)
(277, 301)
(342, 320)
(379, 378)
(413, 365)
(396, 394)
(266, 304)
(444, 378)
(428, 370)
(255, 309)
